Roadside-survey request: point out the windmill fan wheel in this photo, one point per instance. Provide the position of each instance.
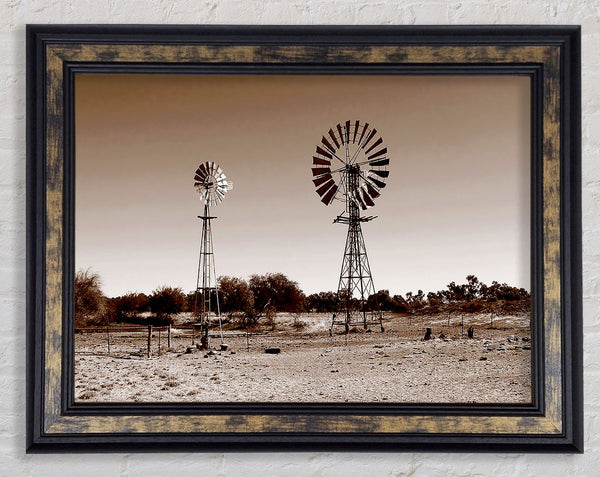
(211, 183)
(350, 163)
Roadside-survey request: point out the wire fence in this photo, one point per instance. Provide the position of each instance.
(146, 341)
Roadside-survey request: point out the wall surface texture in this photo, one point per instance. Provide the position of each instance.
(14, 14)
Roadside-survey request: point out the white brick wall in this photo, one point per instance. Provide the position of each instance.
(14, 14)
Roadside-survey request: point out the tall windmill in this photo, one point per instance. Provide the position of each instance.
(212, 185)
(350, 165)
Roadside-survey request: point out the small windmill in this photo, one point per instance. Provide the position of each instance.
(212, 185)
(350, 165)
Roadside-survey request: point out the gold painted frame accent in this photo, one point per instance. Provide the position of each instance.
(554, 423)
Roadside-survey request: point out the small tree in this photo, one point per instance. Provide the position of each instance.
(235, 296)
(89, 300)
(323, 302)
(166, 302)
(278, 291)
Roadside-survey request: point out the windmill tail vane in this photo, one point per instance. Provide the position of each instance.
(350, 164)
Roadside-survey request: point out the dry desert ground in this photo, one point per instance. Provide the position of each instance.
(312, 366)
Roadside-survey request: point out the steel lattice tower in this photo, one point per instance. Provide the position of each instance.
(212, 185)
(207, 290)
(355, 275)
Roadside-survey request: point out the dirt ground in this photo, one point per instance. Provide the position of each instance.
(394, 366)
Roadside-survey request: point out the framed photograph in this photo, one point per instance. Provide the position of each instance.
(293, 238)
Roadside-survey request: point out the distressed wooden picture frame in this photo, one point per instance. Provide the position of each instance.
(549, 55)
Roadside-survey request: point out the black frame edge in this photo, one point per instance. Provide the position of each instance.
(571, 441)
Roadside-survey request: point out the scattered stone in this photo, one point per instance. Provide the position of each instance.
(483, 358)
(427, 334)
(442, 336)
(470, 332)
(224, 347)
(272, 350)
(188, 351)
(232, 352)
(525, 338)
(526, 347)
(206, 356)
(462, 359)
(211, 353)
(377, 346)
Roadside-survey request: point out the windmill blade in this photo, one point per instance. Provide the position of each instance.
(355, 131)
(369, 137)
(317, 171)
(347, 132)
(363, 132)
(321, 162)
(377, 182)
(327, 144)
(359, 200)
(380, 162)
(332, 135)
(320, 180)
(373, 192)
(339, 128)
(325, 187)
(375, 144)
(199, 177)
(202, 170)
(378, 153)
(328, 197)
(380, 173)
(323, 152)
(366, 197)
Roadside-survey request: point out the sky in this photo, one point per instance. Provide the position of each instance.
(457, 200)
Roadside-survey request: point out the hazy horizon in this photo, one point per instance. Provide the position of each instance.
(457, 200)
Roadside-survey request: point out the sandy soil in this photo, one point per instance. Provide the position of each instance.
(394, 366)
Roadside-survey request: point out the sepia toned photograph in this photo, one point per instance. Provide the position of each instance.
(302, 238)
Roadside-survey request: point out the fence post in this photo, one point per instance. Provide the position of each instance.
(462, 325)
(169, 337)
(149, 338)
(159, 341)
(108, 338)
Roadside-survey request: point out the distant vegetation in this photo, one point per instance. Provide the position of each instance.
(246, 303)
